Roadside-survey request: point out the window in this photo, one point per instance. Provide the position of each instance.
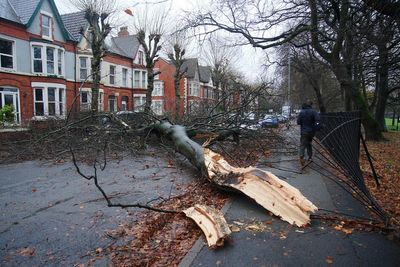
(140, 57)
(49, 99)
(137, 79)
(86, 99)
(112, 103)
(60, 61)
(124, 77)
(37, 59)
(194, 89)
(46, 26)
(85, 68)
(157, 106)
(10, 97)
(112, 74)
(7, 54)
(139, 102)
(144, 79)
(124, 103)
(158, 89)
(193, 106)
(47, 59)
(50, 60)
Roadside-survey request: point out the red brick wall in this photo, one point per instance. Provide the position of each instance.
(167, 76)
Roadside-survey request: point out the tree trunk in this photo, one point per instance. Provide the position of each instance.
(96, 74)
(177, 96)
(383, 85)
(371, 126)
(150, 86)
(266, 189)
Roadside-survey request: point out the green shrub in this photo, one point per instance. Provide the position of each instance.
(7, 114)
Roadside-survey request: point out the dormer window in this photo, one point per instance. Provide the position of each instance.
(46, 26)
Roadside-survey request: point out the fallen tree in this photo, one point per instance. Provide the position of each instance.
(266, 189)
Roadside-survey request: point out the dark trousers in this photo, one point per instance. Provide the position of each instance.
(306, 143)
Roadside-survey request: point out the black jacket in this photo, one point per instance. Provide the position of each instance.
(307, 119)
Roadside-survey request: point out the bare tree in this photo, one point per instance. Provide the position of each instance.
(149, 24)
(178, 44)
(97, 13)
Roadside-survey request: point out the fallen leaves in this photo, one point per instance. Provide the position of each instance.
(27, 252)
(386, 160)
(329, 259)
(159, 239)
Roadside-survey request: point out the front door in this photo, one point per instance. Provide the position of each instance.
(10, 96)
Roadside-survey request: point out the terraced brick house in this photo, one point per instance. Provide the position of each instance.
(45, 63)
(198, 94)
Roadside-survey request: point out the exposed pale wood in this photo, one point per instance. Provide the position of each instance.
(211, 222)
(265, 188)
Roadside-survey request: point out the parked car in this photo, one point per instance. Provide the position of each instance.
(269, 121)
(282, 118)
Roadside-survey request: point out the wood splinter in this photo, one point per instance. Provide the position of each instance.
(211, 222)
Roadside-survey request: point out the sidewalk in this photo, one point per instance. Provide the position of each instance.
(265, 240)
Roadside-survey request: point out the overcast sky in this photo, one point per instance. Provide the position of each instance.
(250, 60)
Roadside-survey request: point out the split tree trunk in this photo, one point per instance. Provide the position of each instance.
(266, 189)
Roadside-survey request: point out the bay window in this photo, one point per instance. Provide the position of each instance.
(47, 59)
(49, 99)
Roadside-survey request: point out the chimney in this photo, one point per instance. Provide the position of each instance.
(123, 32)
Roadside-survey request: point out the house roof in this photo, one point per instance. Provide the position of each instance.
(190, 66)
(24, 9)
(24, 12)
(126, 46)
(205, 73)
(74, 22)
(7, 11)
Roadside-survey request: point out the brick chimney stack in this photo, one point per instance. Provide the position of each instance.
(123, 32)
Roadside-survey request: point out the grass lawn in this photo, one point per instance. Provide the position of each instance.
(389, 125)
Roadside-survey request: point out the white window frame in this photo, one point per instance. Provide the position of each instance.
(115, 100)
(144, 79)
(142, 101)
(88, 67)
(14, 58)
(124, 77)
(137, 82)
(124, 103)
(43, 50)
(194, 90)
(112, 75)
(88, 104)
(157, 106)
(44, 87)
(51, 26)
(158, 88)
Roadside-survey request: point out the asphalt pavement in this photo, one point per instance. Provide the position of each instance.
(260, 239)
(50, 216)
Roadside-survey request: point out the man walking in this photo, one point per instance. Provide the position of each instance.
(307, 119)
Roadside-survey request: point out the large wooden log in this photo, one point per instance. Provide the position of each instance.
(265, 188)
(211, 222)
